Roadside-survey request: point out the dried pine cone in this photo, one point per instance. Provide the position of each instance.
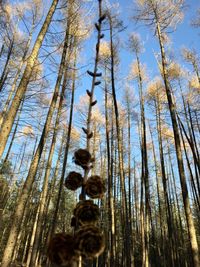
(61, 250)
(86, 212)
(82, 158)
(95, 187)
(73, 181)
(89, 242)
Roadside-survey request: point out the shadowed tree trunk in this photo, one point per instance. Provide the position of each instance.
(5, 70)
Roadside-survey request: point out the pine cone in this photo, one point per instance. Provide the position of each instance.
(73, 181)
(89, 242)
(82, 158)
(86, 212)
(95, 187)
(61, 250)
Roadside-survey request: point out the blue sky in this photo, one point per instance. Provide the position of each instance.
(185, 35)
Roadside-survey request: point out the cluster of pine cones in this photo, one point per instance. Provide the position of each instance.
(88, 240)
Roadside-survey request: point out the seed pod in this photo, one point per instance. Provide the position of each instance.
(61, 250)
(84, 130)
(73, 181)
(97, 27)
(86, 212)
(102, 18)
(90, 135)
(94, 74)
(89, 93)
(89, 242)
(93, 103)
(95, 187)
(91, 73)
(97, 83)
(82, 158)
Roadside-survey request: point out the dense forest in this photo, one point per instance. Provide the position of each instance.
(99, 133)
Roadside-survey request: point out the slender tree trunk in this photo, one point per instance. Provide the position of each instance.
(14, 133)
(158, 182)
(170, 256)
(48, 168)
(5, 109)
(5, 70)
(188, 213)
(33, 236)
(54, 221)
(51, 194)
(9, 119)
(33, 167)
(120, 159)
(145, 170)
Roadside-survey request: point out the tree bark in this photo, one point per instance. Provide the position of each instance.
(33, 167)
(188, 213)
(10, 117)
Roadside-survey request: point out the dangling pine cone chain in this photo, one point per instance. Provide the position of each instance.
(82, 157)
(95, 187)
(86, 212)
(73, 181)
(61, 250)
(89, 242)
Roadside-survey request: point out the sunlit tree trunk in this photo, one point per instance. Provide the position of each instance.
(34, 164)
(49, 163)
(120, 158)
(51, 194)
(188, 213)
(14, 83)
(66, 151)
(10, 117)
(171, 248)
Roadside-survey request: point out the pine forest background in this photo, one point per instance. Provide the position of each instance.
(145, 127)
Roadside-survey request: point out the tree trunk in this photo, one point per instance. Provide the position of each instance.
(10, 117)
(33, 167)
(188, 213)
(5, 109)
(5, 70)
(54, 221)
(48, 168)
(120, 159)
